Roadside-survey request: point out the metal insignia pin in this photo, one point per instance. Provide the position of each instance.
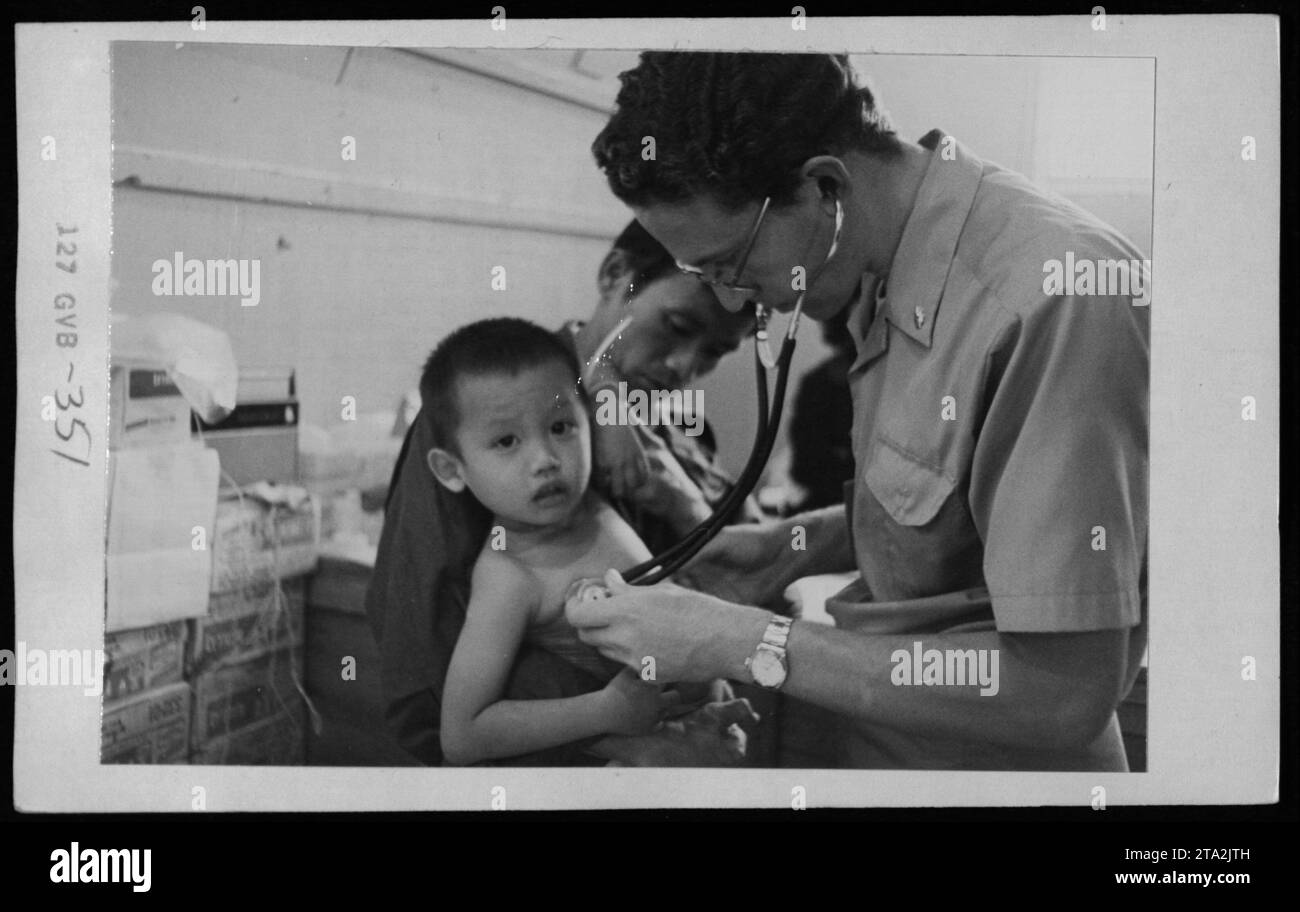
(920, 317)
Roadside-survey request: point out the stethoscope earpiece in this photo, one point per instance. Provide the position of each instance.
(839, 226)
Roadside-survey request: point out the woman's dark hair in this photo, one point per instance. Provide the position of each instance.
(637, 257)
(734, 126)
(636, 254)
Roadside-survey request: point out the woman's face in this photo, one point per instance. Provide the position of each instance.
(677, 334)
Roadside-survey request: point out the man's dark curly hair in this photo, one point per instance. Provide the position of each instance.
(734, 126)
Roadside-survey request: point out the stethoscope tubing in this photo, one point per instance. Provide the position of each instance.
(769, 423)
(673, 559)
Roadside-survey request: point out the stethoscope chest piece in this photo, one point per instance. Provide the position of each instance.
(584, 590)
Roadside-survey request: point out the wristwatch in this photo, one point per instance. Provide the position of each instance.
(768, 665)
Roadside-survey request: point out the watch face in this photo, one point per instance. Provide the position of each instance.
(767, 668)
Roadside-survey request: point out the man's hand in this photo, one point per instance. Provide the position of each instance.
(690, 636)
(668, 491)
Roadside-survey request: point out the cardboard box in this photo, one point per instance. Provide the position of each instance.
(143, 659)
(245, 551)
(275, 741)
(245, 623)
(151, 727)
(231, 697)
(158, 497)
(145, 407)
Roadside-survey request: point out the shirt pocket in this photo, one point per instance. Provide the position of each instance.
(909, 490)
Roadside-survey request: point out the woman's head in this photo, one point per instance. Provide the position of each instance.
(678, 330)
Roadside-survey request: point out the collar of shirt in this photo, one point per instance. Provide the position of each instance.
(925, 251)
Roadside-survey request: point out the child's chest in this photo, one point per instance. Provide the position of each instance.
(612, 544)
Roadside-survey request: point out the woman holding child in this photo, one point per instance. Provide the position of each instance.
(661, 481)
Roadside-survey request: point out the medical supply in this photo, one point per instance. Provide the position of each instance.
(256, 542)
(242, 624)
(145, 407)
(152, 727)
(276, 740)
(144, 659)
(231, 697)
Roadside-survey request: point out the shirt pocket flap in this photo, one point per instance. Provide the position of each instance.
(910, 491)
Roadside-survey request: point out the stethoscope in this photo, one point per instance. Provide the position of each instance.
(672, 559)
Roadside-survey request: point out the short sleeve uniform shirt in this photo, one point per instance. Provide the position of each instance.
(1000, 426)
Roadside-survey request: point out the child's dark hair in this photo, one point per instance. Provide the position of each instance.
(733, 126)
(500, 345)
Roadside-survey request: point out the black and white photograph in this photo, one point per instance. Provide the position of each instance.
(728, 409)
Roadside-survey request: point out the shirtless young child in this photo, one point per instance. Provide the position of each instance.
(511, 425)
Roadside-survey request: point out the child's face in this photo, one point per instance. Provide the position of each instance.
(677, 334)
(524, 444)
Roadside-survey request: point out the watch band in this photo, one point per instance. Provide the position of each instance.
(777, 633)
(771, 649)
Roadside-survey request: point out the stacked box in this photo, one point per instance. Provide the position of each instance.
(228, 698)
(151, 727)
(161, 505)
(244, 623)
(143, 659)
(145, 407)
(274, 741)
(255, 542)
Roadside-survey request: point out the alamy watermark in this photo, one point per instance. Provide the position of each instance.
(1101, 277)
(53, 667)
(656, 407)
(179, 276)
(78, 865)
(946, 667)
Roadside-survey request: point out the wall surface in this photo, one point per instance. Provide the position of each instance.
(467, 161)
(227, 151)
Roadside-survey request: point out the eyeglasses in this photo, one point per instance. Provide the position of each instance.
(733, 283)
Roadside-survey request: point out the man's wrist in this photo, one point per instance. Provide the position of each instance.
(748, 628)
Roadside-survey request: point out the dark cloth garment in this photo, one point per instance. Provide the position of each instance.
(560, 638)
(821, 434)
(419, 593)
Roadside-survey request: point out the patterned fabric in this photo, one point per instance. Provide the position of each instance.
(559, 638)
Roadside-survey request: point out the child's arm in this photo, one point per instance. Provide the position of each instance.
(478, 725)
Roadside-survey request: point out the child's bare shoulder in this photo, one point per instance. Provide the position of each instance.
(498, 574)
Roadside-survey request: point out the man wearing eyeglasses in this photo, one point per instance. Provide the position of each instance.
(998, 517)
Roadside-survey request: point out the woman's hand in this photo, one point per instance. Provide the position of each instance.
(708, 736)
(696, 695)
(688, 635)
(668, 491)
(635, 707)
(621, 459)
(748, 563)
